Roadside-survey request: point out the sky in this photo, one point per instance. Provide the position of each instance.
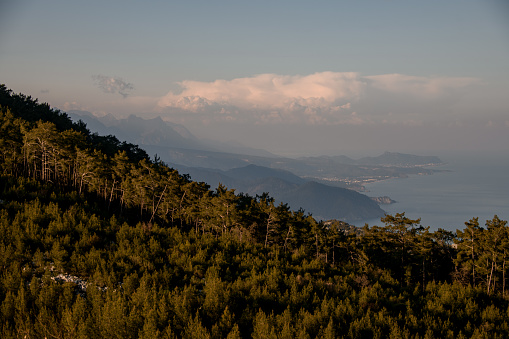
(291, 77)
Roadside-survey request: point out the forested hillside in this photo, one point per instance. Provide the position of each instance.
(99, 241)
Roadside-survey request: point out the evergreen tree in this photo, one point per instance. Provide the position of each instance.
(468, 245)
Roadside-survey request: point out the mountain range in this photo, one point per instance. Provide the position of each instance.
(157, 132)
(325, 186)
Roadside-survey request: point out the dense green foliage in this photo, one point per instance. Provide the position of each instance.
(97, 240)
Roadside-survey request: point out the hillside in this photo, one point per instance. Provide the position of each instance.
(329, 202)
(100, 241)
(322, 201)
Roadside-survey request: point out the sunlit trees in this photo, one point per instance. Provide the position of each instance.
(40, 149)
(11, 142)
(469, 246)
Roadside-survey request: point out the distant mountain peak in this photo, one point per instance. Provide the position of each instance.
(157, 133)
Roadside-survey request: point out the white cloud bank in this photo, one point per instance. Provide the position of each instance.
(319, 98)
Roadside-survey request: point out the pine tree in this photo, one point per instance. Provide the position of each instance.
(468, 245)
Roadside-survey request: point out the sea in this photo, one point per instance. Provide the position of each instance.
(466, 186)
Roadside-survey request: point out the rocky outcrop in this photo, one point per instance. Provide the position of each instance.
(385, 200)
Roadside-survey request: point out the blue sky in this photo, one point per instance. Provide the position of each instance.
(292, 77)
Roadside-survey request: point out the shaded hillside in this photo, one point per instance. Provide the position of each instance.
(322, 201)
(254, 172)
(275, 187)
(328, 202)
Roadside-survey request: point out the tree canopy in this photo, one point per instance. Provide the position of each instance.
(99, 240)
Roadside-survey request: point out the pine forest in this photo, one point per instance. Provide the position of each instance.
(99, 240)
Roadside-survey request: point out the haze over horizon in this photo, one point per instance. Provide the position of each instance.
(291, 77)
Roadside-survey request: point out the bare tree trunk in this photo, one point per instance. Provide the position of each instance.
(157, 206)
(316, 236)
(473, 262)
(503, 277)
(269, 223)
(287, 236)
(333, 252)
(423, 273)
(491, 275)
(181, 201)
(111, 193)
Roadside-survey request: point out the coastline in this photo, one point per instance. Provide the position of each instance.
(359, 185)
(468, 186)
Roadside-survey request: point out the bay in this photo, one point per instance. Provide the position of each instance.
(468, 186)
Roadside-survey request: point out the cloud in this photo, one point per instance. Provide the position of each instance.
(319, 98)
(112, 84)
(270, 97)
(267, 91)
